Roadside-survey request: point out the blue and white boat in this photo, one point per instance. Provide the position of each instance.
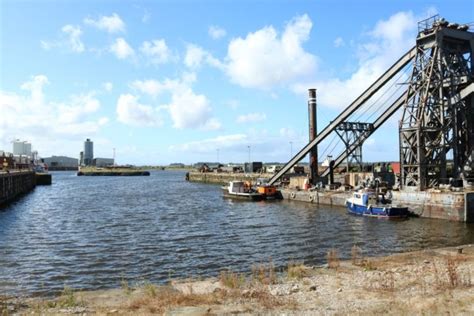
(369, 204)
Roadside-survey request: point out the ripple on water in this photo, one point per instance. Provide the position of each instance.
(93, 232)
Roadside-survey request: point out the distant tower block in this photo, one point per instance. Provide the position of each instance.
(313, 131)
(88, 152)
(438, 119)
(22, 148)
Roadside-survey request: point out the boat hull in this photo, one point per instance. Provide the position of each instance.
(242, 196)
(377, 210)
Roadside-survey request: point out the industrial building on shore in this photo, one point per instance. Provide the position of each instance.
(86, 157)
(61, 163)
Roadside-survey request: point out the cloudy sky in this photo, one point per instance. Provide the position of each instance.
(188, 81)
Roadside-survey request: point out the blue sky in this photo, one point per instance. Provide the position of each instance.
(185, 81)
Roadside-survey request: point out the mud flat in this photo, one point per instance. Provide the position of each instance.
(434, 281)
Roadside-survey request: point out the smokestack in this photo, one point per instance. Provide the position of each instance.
(313, 130)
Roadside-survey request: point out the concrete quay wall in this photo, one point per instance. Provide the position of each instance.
(15, 183)
(317, 197)
(453, 206)
(223, 178)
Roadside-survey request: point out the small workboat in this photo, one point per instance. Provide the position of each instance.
(241, 190)
(372, 204)
(269, 192)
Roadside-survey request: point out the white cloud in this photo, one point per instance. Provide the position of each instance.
(288, 133)
(339, 42)
(103, 121)
(49, 125)
(388, 40)
(212, 124)
(111, 24)
(46, 45)
(77, 108)
(234, 147)
(264, 59)
(151, 87)
(154, 88)
(196, 55)
(121, 49)
(216, 32)
(74, 41)
(157, 51)
(189, 110)
(186, 108)
(233, 104)
(108, 86)
(251, 118)
(208, 145)
(146, 17)
(131, 112)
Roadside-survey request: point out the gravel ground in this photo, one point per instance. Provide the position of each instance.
(435, 281)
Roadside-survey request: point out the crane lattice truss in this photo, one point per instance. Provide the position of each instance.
(438, 115)
(442, 83)
(350, 132)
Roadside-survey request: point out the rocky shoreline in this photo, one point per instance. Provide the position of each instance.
(432, 281)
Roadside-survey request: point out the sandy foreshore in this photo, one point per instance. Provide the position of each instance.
(427, 282)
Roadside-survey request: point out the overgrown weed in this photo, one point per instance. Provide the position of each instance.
(356, 255)
(264, 273)
(296, 270)
(232, 279)
(333, 259)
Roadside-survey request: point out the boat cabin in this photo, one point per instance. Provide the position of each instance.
(239, 187)
(367, 198)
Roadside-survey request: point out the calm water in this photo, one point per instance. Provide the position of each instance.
(93, 232)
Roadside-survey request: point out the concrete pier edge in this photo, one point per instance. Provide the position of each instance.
(446, 205)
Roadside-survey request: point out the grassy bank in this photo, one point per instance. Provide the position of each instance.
(429, 282)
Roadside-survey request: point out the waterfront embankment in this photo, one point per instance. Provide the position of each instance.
(223, 178)
(427, 282)
(92, 171)
(447, 205)
(14, 183)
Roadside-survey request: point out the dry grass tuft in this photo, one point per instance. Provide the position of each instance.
(367, 264)
(333, 259)
(165, 298)
(296, 270)
(264, 298)
(231, 279)
(452, 273)
(67, 299)
(453, 277)
(356, 257)
(125, 286)
(264, 273)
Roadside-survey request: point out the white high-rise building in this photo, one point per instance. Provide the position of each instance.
(88, 152)
(21, 148)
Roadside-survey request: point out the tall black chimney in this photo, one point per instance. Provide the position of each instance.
(313, 131)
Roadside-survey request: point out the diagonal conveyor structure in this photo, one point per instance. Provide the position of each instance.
(385, 116)
(357, 104)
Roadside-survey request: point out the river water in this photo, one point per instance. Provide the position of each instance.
(95, 232)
